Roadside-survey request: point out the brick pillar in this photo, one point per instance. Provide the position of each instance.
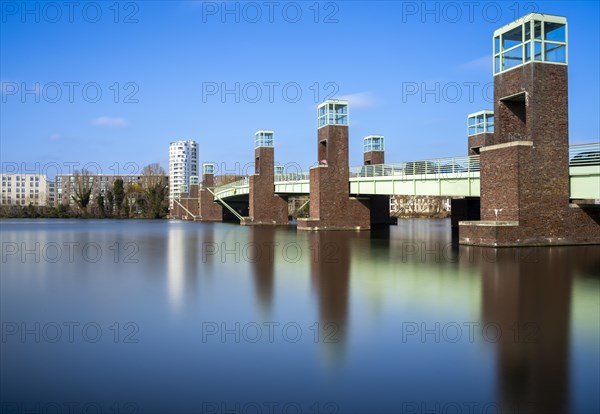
(525, 169)
(175, 211)
(192, 204)
(374, 157)
(379, 205)
(476, 142)
(331, 207)
(265, 206)
(208, 209)
(184, 200)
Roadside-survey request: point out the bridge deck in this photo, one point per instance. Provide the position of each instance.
(450, 177)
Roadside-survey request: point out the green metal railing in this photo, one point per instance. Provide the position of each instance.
(453, 167)
(584, 154)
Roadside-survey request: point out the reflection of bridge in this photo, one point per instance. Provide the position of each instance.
(450, 177)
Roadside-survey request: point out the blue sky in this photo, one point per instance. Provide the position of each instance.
(161, 68)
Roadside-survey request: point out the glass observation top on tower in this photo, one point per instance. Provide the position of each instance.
(263, 139)
(536, 37)
(373, 143)
(481, 122)
(332, 112)
(194, 180)
(208, 168)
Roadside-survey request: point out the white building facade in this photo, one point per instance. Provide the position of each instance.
(183, 164)
(24, 189)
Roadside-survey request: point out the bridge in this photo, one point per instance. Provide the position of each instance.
(519, 184)
(447, 177)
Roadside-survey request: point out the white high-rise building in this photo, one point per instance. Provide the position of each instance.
(183, 163)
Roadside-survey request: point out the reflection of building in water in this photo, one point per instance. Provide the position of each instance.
(330, 278)
(175, 264)
(411, 205)
(183, 255)
(261, 253)
(527, 293)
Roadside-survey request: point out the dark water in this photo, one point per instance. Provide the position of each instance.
(156, 317)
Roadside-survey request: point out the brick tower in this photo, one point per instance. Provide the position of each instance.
(208, 209)
(525, 167)
(480, 127)
(373, 150)
(265, 206)
(192, 200)
(331, 207)
(374, 160)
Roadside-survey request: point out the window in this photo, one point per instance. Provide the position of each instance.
(373, 143)
(332, 112)
(516, 46)
(263, 139)
(480, 122)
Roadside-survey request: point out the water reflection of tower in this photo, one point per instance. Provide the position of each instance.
(330, 277)
(527, 293)
(208, 245)
(261, 253)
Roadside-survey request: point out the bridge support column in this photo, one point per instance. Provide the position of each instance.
(265, 206)
(331, 207)
(525, 170)
(379, 205)
(176, 209)
(192, 202)
(208, 209)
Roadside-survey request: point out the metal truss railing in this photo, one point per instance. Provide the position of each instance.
(463, 166)
(584, 154)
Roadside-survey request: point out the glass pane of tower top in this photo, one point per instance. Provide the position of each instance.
(480, 122)
(263, 139)
(208, 168)
(332, 112)
(373, 143)
(541, 36)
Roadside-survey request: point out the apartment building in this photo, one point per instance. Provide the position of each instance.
(183, 164)
(100, 184)
(24, 189)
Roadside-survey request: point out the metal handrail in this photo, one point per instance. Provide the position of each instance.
(301, 176)
(439, 166)
(227, 206)
(584, 154)
(188, 211)
(239, 183)
(579, 155)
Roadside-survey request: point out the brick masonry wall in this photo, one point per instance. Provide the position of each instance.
(531, 183)
(330, 204)
(265, 206)
(379, 206)
(208, 210)
(374, 157)
(478, 141)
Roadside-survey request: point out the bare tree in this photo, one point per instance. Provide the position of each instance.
(83, 183)
(155, 191)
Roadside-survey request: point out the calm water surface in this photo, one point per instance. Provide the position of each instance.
(167, 316)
